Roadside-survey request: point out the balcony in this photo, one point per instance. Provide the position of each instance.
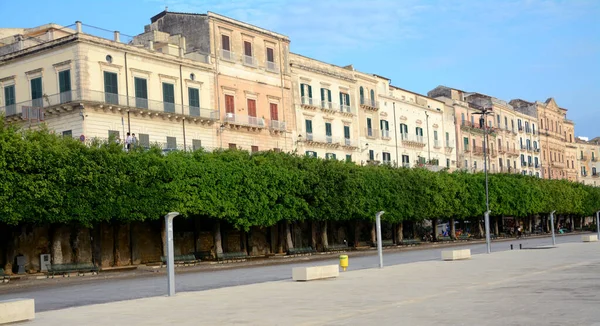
(227, 55)
(412, 140)
(327, 106)
(66, 101)
(558, 164)
(308, 103)
(385, 134)
(350, 143)
(436, 144)
(250, 61)
(521, 128)
(272, 67)
(347, 109)
(372, 133)
(527, 130)
(449, 147)
(594, 159)
(277, 126)
(369, 104)
(242, 120)
(530, 164)
(322, 141)
(595, 175)
(512, 152)
(583, 158)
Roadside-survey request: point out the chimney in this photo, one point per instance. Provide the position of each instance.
(151, 45)
(117, 36)
(78, 26)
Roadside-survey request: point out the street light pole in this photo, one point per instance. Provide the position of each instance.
(484, 113)
(598, 223)
(170, 253)
(379, 244)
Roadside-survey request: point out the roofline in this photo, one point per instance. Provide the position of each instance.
(327, 63)
(244, 24)
(415, 93)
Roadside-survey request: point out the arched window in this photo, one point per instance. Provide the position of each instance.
(362, 95)
(462, 118)
(372, 98)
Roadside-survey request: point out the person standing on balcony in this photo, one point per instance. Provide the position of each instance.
(128, 141)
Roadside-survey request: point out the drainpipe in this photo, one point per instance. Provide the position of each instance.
(395, 133)
(216, 72)
(127, 94)
(428, 140)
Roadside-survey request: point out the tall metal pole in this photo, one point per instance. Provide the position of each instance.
(488, 240)
(487, 197)
(170, 253)
(379, 240)
(552, 228)
(428, 141)
(396, 133)
(598, 223)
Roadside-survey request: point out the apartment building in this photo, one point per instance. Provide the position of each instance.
(325, 109)
(513, 144)
(251, 76)
(587, 157)
(86, 87)
(558, 146)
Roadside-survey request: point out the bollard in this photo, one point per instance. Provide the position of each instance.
(344, 262)
(520, 246)
(511, 247)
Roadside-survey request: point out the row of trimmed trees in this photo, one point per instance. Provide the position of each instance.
(47, 179)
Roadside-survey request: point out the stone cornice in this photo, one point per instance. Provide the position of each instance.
(322, 72)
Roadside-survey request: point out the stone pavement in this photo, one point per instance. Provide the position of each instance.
(558, 286)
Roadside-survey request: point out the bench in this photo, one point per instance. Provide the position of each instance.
(300, 251)
(464, 237)
(384, 243)
(315, 273)
(3, 276)
(444, 238)
(232, 256)
(410, 242)
(80, 268)
(189, 259)
(203, 255)
(336, 247)
(456, 254)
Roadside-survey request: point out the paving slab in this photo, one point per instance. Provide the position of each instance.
(558, 286)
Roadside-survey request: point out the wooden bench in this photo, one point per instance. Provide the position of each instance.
(185, 260)
(300, 251)
(65, 269)
(410, 242)
(3, 276)
(336, 247)
(203, 255)
(464, 237)
(384, 243)
(444, 238)
(226, 256)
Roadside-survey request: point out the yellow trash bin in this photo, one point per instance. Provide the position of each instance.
(344, 262)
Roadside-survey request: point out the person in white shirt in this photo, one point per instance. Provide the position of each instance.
(128, 141)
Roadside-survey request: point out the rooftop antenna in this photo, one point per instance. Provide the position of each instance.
(166, 8)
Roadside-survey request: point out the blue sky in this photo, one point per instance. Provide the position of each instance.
(529, 49)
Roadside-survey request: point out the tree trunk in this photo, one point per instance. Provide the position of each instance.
(217, 238)
(288, 235)
(529, 224)
(116, 246)
(452, 229)
(324, 240)
(399, 232)
(496, 226)
(373, 234)
(56, 245)
(414, 230)
(163, 237)
(548, 224)
(243, 245)
(481, 232)
(313, 234)
(357, 228)
(434, 223)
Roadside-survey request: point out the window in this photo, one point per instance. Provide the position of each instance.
(405, 161)
(348, 158)
(466, 164)
(371, 155)
(10, 100)
(448, 163)
(386, 157)
(385, 128)
(403, 131)
(64, 85)
(326, 98)
(435, 138)
(347, 134)
(519, 124)
(254, 149)
(528, 142)
(67, 133)
(533, 128)
(270, 56)
(141, 92)
(306, 94)
(248, 58)
(225, 43)
(475, 165)
(308, 125)
(171, 143)
(144, 140)
(328, 132)
(369, 128)
(232, 146)
(500, 163)
(498, 120)
(466, 144)
(196, 144)
(593, 171)
(522, 159)
(512, 125)
(311, 154)
(472, 121)
(362, 95)
(537, 162)
(330, 156)
(448, 139)
(419, 132)
(194, 101)
(535, 144)
(474, 144)
(168, 97)
(251, 103)
(345, 102)
(36, 92)
(111, 88)
(274, 110)
(113, 134)
(229, 105)
(462, 118)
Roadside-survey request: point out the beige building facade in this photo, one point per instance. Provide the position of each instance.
(588, 152)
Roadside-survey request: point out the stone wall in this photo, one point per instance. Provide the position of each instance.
(257, 241)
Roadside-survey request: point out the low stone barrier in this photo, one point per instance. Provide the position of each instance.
(16, 310)
(589, 238)
(315, 272)
(456, 254)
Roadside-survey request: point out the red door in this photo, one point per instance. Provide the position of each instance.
(252, 108)
(229, 106)
(274, 113)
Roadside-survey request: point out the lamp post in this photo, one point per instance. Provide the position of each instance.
(598, 223)
(484, 112)
(170, 254)
(379, 244)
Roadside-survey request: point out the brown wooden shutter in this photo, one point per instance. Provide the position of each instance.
(225, 42)
(229, 106)
(251, 108)
(274, 113)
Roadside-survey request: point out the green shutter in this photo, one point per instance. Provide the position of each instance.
(328, 129)
(322, 94)
(341, 98)
(308, 126)
(9, 95)
(302, 90)
(329, 95)
(110, 83)
(141, 88)
(369, 125)
(348, 158)
(347, 132)
(347, 99)
(309, 91)
(381, 123)
(36, 88)
(64, 81)
(168, 93)
(194, 97)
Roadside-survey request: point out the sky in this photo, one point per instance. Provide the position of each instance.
(528, 49)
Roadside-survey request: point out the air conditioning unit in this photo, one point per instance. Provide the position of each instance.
(45, 262)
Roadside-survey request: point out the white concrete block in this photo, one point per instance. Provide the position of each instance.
(456, 254)
(589, 238)
(315, 272)
(16, 310)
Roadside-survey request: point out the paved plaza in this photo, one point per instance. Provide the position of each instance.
(558, 286)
